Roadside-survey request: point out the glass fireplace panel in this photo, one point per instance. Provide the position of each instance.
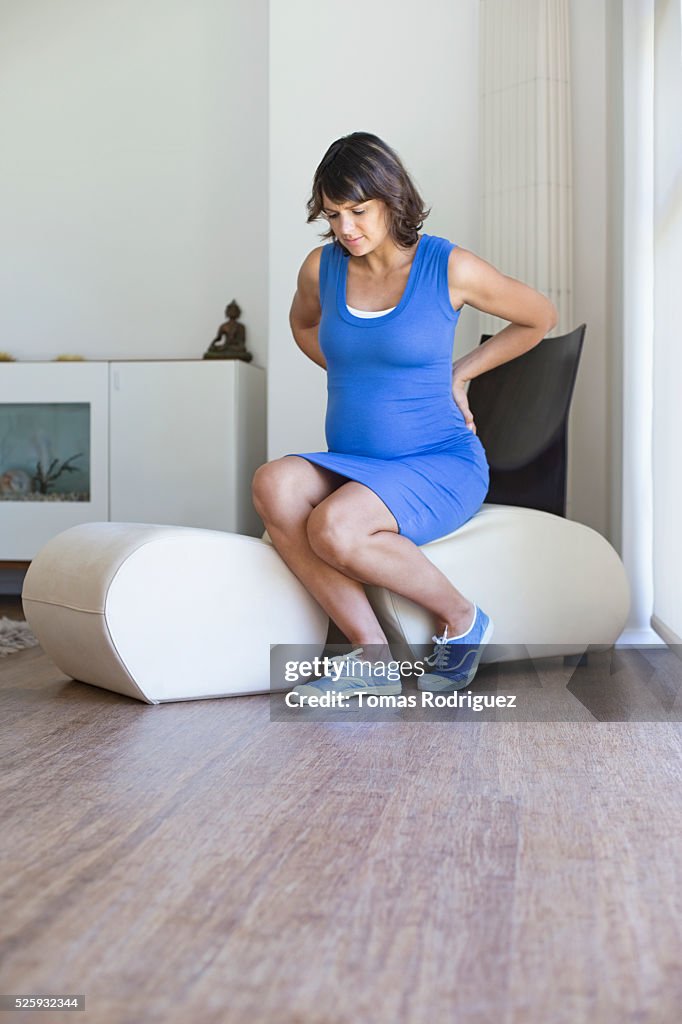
(45, 451)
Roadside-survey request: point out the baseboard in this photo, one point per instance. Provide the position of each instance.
(640, 638)
(672, 639)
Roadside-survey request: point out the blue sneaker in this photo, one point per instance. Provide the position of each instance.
(349, 676)
(455, 659)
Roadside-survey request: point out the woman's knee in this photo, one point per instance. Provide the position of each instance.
(269, 488)
(331, 534)
(279, 492)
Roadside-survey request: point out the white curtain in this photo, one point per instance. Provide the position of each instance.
(525, 149)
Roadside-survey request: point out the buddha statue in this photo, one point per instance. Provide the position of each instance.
(230, 341)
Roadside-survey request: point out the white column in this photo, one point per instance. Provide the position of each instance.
(638, 313)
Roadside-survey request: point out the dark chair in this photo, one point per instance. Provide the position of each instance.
(521, 414)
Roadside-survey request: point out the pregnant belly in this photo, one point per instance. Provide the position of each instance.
(388, 427)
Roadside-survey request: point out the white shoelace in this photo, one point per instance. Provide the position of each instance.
(439, 658)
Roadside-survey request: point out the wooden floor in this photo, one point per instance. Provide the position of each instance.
(199, 862)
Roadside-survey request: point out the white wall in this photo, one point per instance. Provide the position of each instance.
(409, 75)
(133, 175)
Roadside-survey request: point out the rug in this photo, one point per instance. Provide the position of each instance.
(15, 636)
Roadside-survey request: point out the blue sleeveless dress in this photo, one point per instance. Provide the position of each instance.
(392, 423)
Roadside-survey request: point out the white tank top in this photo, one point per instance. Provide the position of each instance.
(368, 313)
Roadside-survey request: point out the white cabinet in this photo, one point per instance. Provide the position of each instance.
(165, 441)
(185, 440)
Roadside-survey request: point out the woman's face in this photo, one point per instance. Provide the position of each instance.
(360, 227)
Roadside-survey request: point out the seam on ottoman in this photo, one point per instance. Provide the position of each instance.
(391, 597)
(61, 604)
(120, 659)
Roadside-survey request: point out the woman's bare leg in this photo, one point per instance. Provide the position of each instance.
(335, 536)
(343, 531)
(285, 491)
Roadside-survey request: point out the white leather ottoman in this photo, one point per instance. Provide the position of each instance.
(167, 613)
(551, 586)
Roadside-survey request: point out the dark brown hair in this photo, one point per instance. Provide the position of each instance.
(359, 167)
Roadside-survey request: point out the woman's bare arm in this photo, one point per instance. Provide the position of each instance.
(477, 283)
(305, 312)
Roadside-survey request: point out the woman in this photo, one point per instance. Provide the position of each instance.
(377, 308)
